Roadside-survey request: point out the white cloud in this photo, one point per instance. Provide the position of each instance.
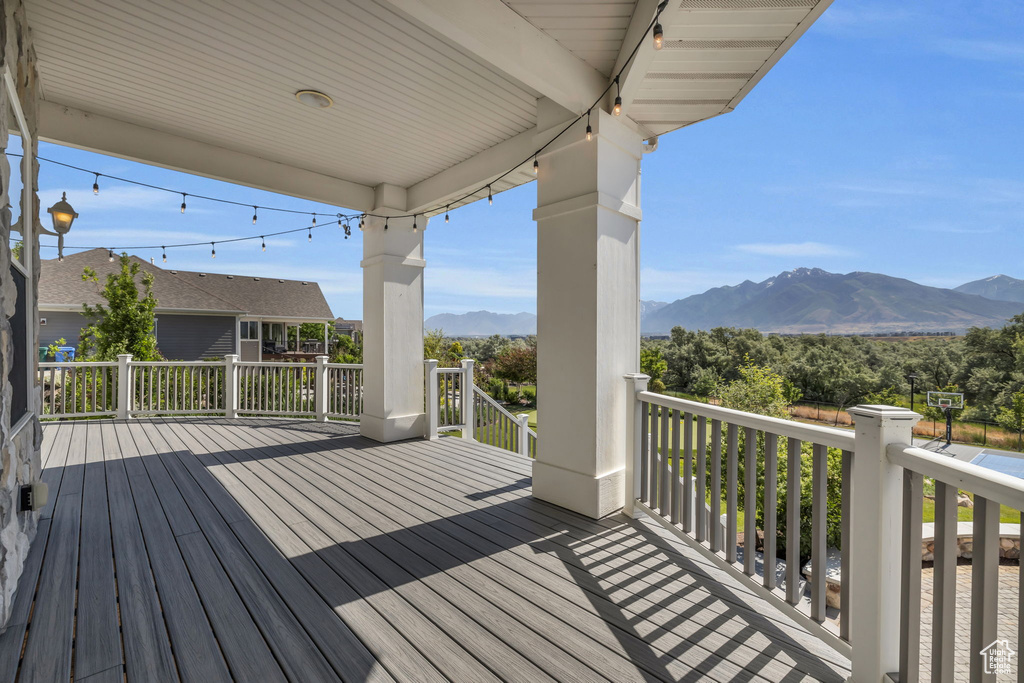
(115, 198)
(473, 283)
(811, 249)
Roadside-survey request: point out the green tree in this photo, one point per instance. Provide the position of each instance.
(125, 324)
(759, 390)
(652, 364)
(517, 364)
(1011, 417)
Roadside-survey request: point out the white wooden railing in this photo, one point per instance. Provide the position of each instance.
(229, 388)
(455, 403)
(678, 449)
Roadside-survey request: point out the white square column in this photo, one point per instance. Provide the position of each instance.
(588, 327)
(392, 407)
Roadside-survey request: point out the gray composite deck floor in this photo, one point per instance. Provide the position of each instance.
(269, 550)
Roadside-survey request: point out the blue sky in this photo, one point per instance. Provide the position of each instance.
(888, 139)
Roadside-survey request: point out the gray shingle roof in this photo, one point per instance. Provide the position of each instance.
(60, 284)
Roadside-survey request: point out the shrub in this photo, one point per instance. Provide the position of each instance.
(657, 386)
(530, 395)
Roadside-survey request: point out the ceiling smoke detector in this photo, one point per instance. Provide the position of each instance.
(314, 99)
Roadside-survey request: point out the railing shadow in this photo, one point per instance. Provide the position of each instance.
(496, 553)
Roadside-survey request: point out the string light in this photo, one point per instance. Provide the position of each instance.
(414, 228)
(60, 258)
(165, 253)
(96, 184)
(263, 242)
(309, 236)
(657, 33)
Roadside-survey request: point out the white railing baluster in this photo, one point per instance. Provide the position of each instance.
(750, 502)
(702, 473)
(984, 584)
(910, 590)
(731, 471)
(944, 584)
(771, 479)
(819, 547)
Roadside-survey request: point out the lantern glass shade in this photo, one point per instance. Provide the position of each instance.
(63, 215)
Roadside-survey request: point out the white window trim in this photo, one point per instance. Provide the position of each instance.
(28, 224)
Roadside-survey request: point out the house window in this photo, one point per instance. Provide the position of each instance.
(273, 332)
(18, 374)
(249, 330)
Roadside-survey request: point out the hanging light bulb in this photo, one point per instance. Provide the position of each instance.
(309, 236)
(254, 215)
(339, 220)
(414, 226)
(164, 250)
(213, 250)
(536, 166)
(314, 220)
(96, 184)
(446, 213)
(385, 223)
(617, 109)
(110, 255)
(659, 37)
(490, 198)
(60, 258)
(263, 242)
(183, 202)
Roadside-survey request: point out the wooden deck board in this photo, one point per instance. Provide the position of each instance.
(259, 549)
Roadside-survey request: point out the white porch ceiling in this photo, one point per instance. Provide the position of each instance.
(435, 96)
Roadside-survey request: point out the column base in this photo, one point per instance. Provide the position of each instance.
(595, 497)
(395, 428)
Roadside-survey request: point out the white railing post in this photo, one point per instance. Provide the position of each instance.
(466, 398)
(635, 383)
(876, 540)
(431, 397)
(231, 385)
(524, 434)
(320, 384)
(124, 393)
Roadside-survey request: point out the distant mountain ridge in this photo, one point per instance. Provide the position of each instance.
(812, 300)
(997, 287)
(800, 301)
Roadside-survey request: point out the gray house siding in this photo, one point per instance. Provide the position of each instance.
(61, 325)
(194, 337)
(178, 337)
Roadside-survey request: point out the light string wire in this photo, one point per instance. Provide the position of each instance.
(343, 217)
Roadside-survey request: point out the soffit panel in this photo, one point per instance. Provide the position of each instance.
(407, 103)
(593, 31)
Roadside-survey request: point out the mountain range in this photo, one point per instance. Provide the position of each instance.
(802, 301)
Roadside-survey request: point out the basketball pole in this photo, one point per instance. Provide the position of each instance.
(949, 425)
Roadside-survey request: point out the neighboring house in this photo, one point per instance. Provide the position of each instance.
(353, 329)
(198, 315)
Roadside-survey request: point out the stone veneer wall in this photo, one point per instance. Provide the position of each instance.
(19, 453)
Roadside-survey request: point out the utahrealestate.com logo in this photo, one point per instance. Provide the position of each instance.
(998, 657)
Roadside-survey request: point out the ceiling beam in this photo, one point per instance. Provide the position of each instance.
(95, 133)
(495, 34)
(636, 69)
(475, 172)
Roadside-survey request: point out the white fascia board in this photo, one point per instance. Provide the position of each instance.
(790, 40)
(497, 35)
(84, 130)
(77, 308)
(456, 181)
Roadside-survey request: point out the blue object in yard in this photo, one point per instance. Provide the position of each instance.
(1007, 464)
(65, 354)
